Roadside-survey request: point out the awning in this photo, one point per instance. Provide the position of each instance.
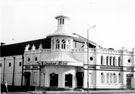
(63, 58)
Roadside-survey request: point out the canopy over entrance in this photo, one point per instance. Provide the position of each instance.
(61, 58)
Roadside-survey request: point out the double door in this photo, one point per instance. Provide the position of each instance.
(53, 80)
(129, 85)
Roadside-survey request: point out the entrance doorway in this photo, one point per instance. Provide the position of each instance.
(53, 80)
(68, 80)
(129, 81)
(79, 76)
(27, 78)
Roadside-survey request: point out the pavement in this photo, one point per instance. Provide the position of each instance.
(77, 92)
(83, 92)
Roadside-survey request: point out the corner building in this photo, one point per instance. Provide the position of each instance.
(67, 61)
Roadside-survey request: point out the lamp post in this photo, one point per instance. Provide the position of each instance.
(88, 57)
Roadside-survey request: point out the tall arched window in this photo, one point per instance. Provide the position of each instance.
(114, 61)
(52, 44)
(111, 78)
(102, 60)
(63, 21)
(102, 78)
(119, 61)
(57, 44)
(63, 45)
(68, 44)
(114, 78)
(107, 77)
(107, 60)
(60, 21)
(120, 80)
(110, 60)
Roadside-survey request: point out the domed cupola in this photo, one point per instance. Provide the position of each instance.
(62, 27)
(61, 39)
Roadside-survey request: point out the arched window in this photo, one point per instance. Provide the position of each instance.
(63, 20)
(114, 78)
(60, 21)
(102, 60)
(107, 77)
(102, 78)
(63, 45)
(111, 78)
(52, 44)
(68, 44)
(57, 44)
(110, 60)
(107, 60)
(114, 61)
(119, 61)
(120, 80)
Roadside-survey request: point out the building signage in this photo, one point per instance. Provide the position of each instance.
(31, 67)
(129, 75)
(53, 63)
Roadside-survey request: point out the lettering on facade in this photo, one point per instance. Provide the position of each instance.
(129, 75)
(31, 67)
(53, 63)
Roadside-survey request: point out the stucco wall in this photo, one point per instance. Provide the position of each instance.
(61, 71)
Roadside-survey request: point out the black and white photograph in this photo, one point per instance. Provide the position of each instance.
(67, 46)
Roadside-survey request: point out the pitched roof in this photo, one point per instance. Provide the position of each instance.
(80, 38)
(18, 48)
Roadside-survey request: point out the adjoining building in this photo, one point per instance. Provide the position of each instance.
(63, 60)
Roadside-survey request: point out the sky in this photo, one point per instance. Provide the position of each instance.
(25, 20)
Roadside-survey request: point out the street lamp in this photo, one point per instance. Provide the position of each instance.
(88, 57)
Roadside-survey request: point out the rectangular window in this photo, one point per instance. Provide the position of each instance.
(20, 64)
(9, 64)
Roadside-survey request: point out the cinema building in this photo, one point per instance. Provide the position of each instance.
(68, 61)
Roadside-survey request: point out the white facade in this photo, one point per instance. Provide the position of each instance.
(11, 65)
(70, 63)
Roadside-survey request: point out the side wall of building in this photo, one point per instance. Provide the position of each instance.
(11, 70)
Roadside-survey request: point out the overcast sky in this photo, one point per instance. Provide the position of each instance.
(24, 20)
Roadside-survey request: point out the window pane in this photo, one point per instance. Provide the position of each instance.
(101, 60)
(20, 63)
(9, 64)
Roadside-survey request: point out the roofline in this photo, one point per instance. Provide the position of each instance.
(21, 42)
(61, 16)
(89, 41)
